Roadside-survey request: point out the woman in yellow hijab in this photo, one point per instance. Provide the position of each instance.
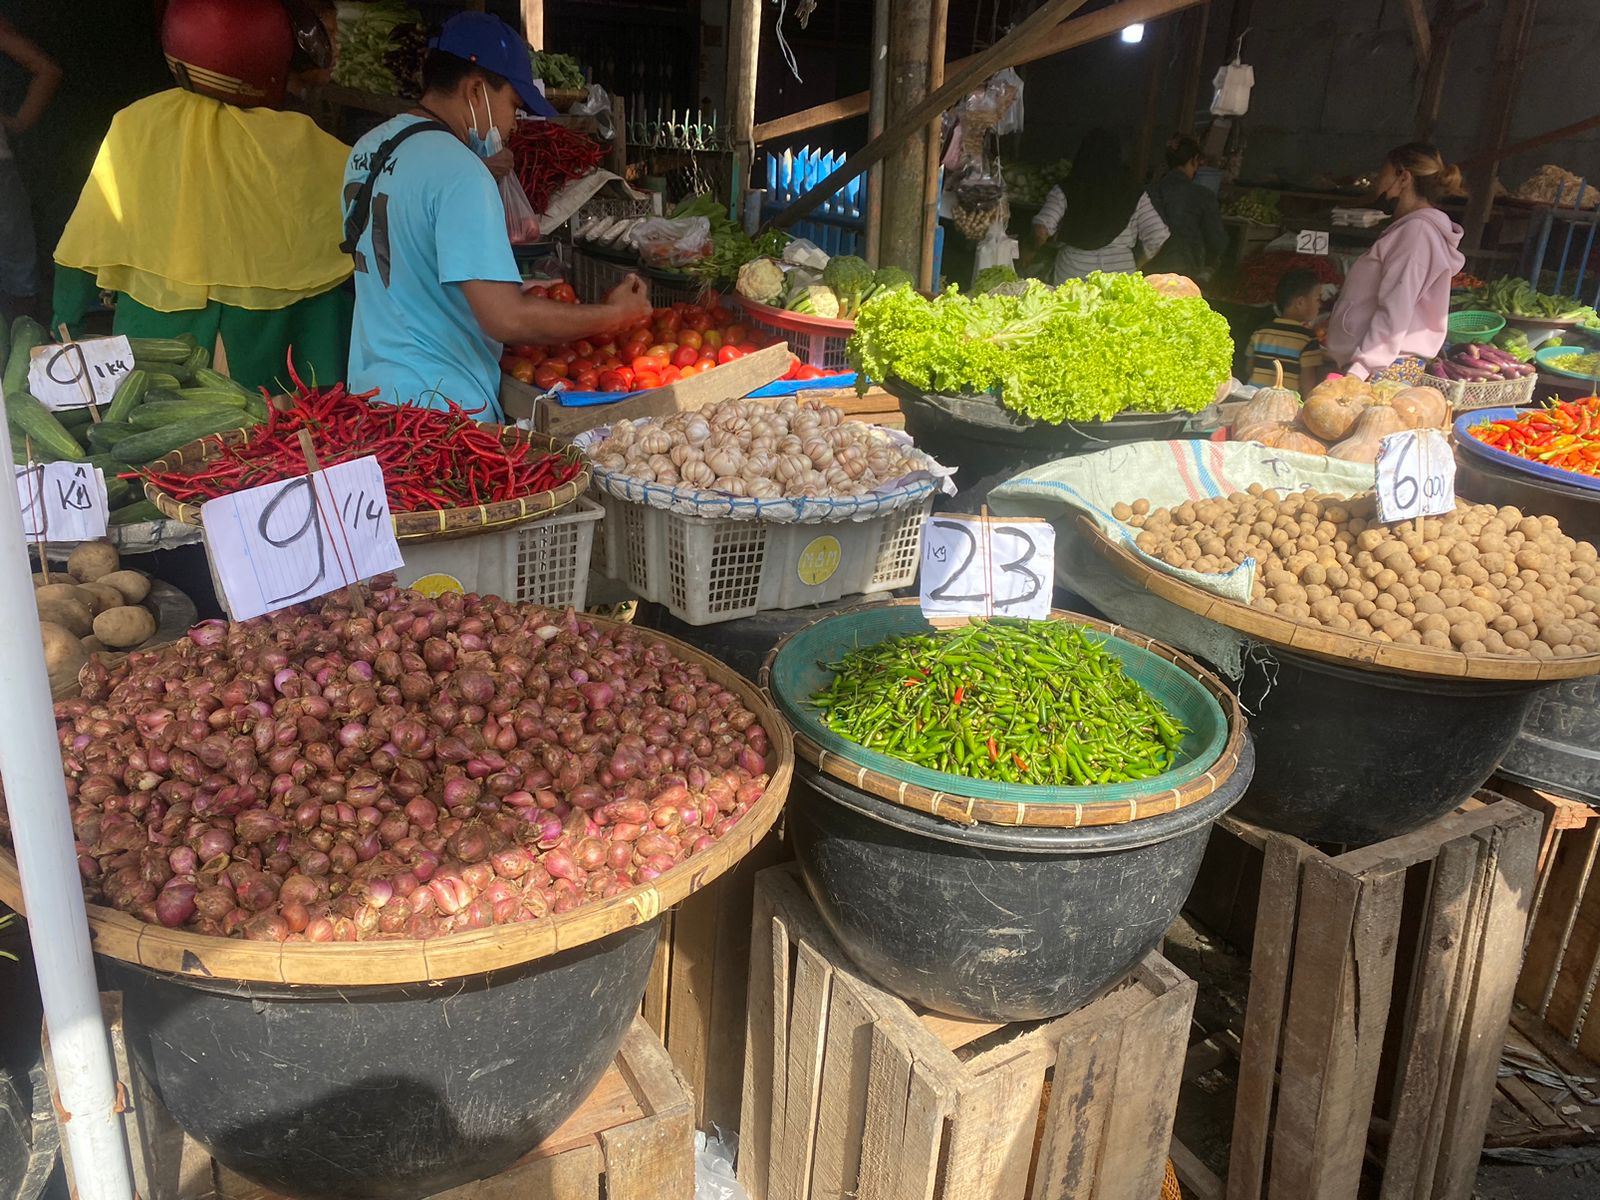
(210, 212)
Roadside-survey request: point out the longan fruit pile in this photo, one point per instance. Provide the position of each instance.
(1480, 580)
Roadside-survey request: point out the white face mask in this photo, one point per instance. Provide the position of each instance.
(484, 145)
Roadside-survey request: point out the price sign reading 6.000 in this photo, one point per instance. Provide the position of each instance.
(284, 543)
(1416, 475)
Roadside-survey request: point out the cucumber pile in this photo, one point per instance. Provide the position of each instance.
(172, 397)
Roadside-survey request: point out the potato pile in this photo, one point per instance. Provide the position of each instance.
(92, 605)
(1480, 580)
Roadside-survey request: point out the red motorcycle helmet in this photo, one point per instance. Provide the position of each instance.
(236, 51)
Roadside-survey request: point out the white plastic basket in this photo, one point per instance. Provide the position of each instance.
(593, 276)
(1466, 395)
(542, 562)
(706, 569)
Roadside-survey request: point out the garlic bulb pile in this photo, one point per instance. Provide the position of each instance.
(764, 451)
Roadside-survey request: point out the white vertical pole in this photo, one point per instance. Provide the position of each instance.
(41, 831)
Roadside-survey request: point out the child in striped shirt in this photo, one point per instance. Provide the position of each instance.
(1289, 339)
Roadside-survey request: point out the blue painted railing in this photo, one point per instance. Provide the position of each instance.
(1558, 252)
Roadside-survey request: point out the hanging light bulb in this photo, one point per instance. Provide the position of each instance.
(1133, 34)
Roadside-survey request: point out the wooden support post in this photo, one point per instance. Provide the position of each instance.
(1194, 76)
(1160, 45)
(938, 25)
(875, 120)
(1499, 104)
(744, 53)
(905, 168)
(533, 23)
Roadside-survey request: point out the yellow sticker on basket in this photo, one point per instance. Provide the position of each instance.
(434, 586)
(819, 560)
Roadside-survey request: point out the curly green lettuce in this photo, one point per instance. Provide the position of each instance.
(1085, 351)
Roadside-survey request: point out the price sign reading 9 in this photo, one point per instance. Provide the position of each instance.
(284, 543)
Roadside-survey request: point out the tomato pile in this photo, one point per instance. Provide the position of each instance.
(671, 344)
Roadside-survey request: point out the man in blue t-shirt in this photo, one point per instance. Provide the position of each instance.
(437, 287)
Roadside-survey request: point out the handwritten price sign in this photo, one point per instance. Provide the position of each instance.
(976, 567)
(62, 501)
(284, 543)
(1416, 475)
(67, 376)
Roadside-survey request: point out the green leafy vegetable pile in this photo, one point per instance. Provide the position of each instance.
(1513, 297)
(364, 44)
(1085, 351)
(559, 71)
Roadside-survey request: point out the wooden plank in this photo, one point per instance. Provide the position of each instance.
(808, 1032)
(1514, 848)
(1421, 32)
(1564, 885)
(938, 27)
(888, 1095)
(760, 1053)
(658, 987)
(906, 162)
(1343, 963)
(1198, 1180)
(992, 1130)
(1075, 1124)
(574, 1175)
(1499, 106)
(1080, 31)
(651, 1158)
(927, 1106)
(1276, 920)
(1421, 1056)
(1413, 848)
(533, 23)
(1580, 959)
(1149, 1071)
(1160, 38)
(877, 105)
(1189, 98)
(692, 984)
(744, 57)
(842, 1115)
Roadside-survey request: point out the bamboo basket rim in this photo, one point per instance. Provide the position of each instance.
(434, 525)
(1306, 637)
(971, 810)
(387, 961)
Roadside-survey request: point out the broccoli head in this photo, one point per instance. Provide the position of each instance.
(849, 277)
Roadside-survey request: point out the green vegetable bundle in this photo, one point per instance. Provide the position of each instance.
(559, 71)
(364, 43)
(1031, 702)
(1085, 351)
(1512, 297)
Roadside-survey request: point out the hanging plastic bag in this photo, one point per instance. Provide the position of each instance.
(522, 223)
(1233, 83)
(597, 105)
(672, 243)
(996, 250)
(1003, 84)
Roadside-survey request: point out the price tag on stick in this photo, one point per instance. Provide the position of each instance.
(1416, 475)
(987, 566)
(62, 501)
(285, 543)
(77, 374)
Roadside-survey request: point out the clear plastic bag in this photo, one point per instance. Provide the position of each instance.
(522, 223)
(597, 105)
(664, 242)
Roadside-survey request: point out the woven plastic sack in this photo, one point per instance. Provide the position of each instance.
(1165, 474)
(800, 671)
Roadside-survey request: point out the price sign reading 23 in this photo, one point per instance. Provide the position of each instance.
(977, 566)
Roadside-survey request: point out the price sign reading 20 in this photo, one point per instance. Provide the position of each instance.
(973, 566)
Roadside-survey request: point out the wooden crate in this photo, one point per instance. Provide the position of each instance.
(695, 1000)
(1380, 987)
(632, 1139)
(850, 1092)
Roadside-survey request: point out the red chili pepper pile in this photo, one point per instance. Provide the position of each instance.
(431, 459)
(1565, 435)
(1257, 282)
(548, 157)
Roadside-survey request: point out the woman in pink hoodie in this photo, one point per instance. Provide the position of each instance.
(1390, 318)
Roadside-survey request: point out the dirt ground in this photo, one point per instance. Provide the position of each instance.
(1205, 1109)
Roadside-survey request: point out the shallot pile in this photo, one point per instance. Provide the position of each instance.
(429, 767)
(764, 451)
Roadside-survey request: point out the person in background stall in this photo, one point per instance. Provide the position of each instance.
(19, 252)
(1190, 210)
(1099, 215)
(1289, 340)
(1390, 317)
(211, 212)
(438, 291)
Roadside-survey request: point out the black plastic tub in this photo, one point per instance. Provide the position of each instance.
(987, 443)
(1348, 757)
(990, 922)
(390, 1092)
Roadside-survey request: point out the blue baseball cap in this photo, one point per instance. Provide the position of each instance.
(487, 41)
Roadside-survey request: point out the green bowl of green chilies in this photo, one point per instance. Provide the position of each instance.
(1038, 712)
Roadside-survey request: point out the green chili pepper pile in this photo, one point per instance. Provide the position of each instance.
(1028, 702)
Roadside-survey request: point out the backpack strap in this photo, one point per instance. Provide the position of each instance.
(361, 211)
